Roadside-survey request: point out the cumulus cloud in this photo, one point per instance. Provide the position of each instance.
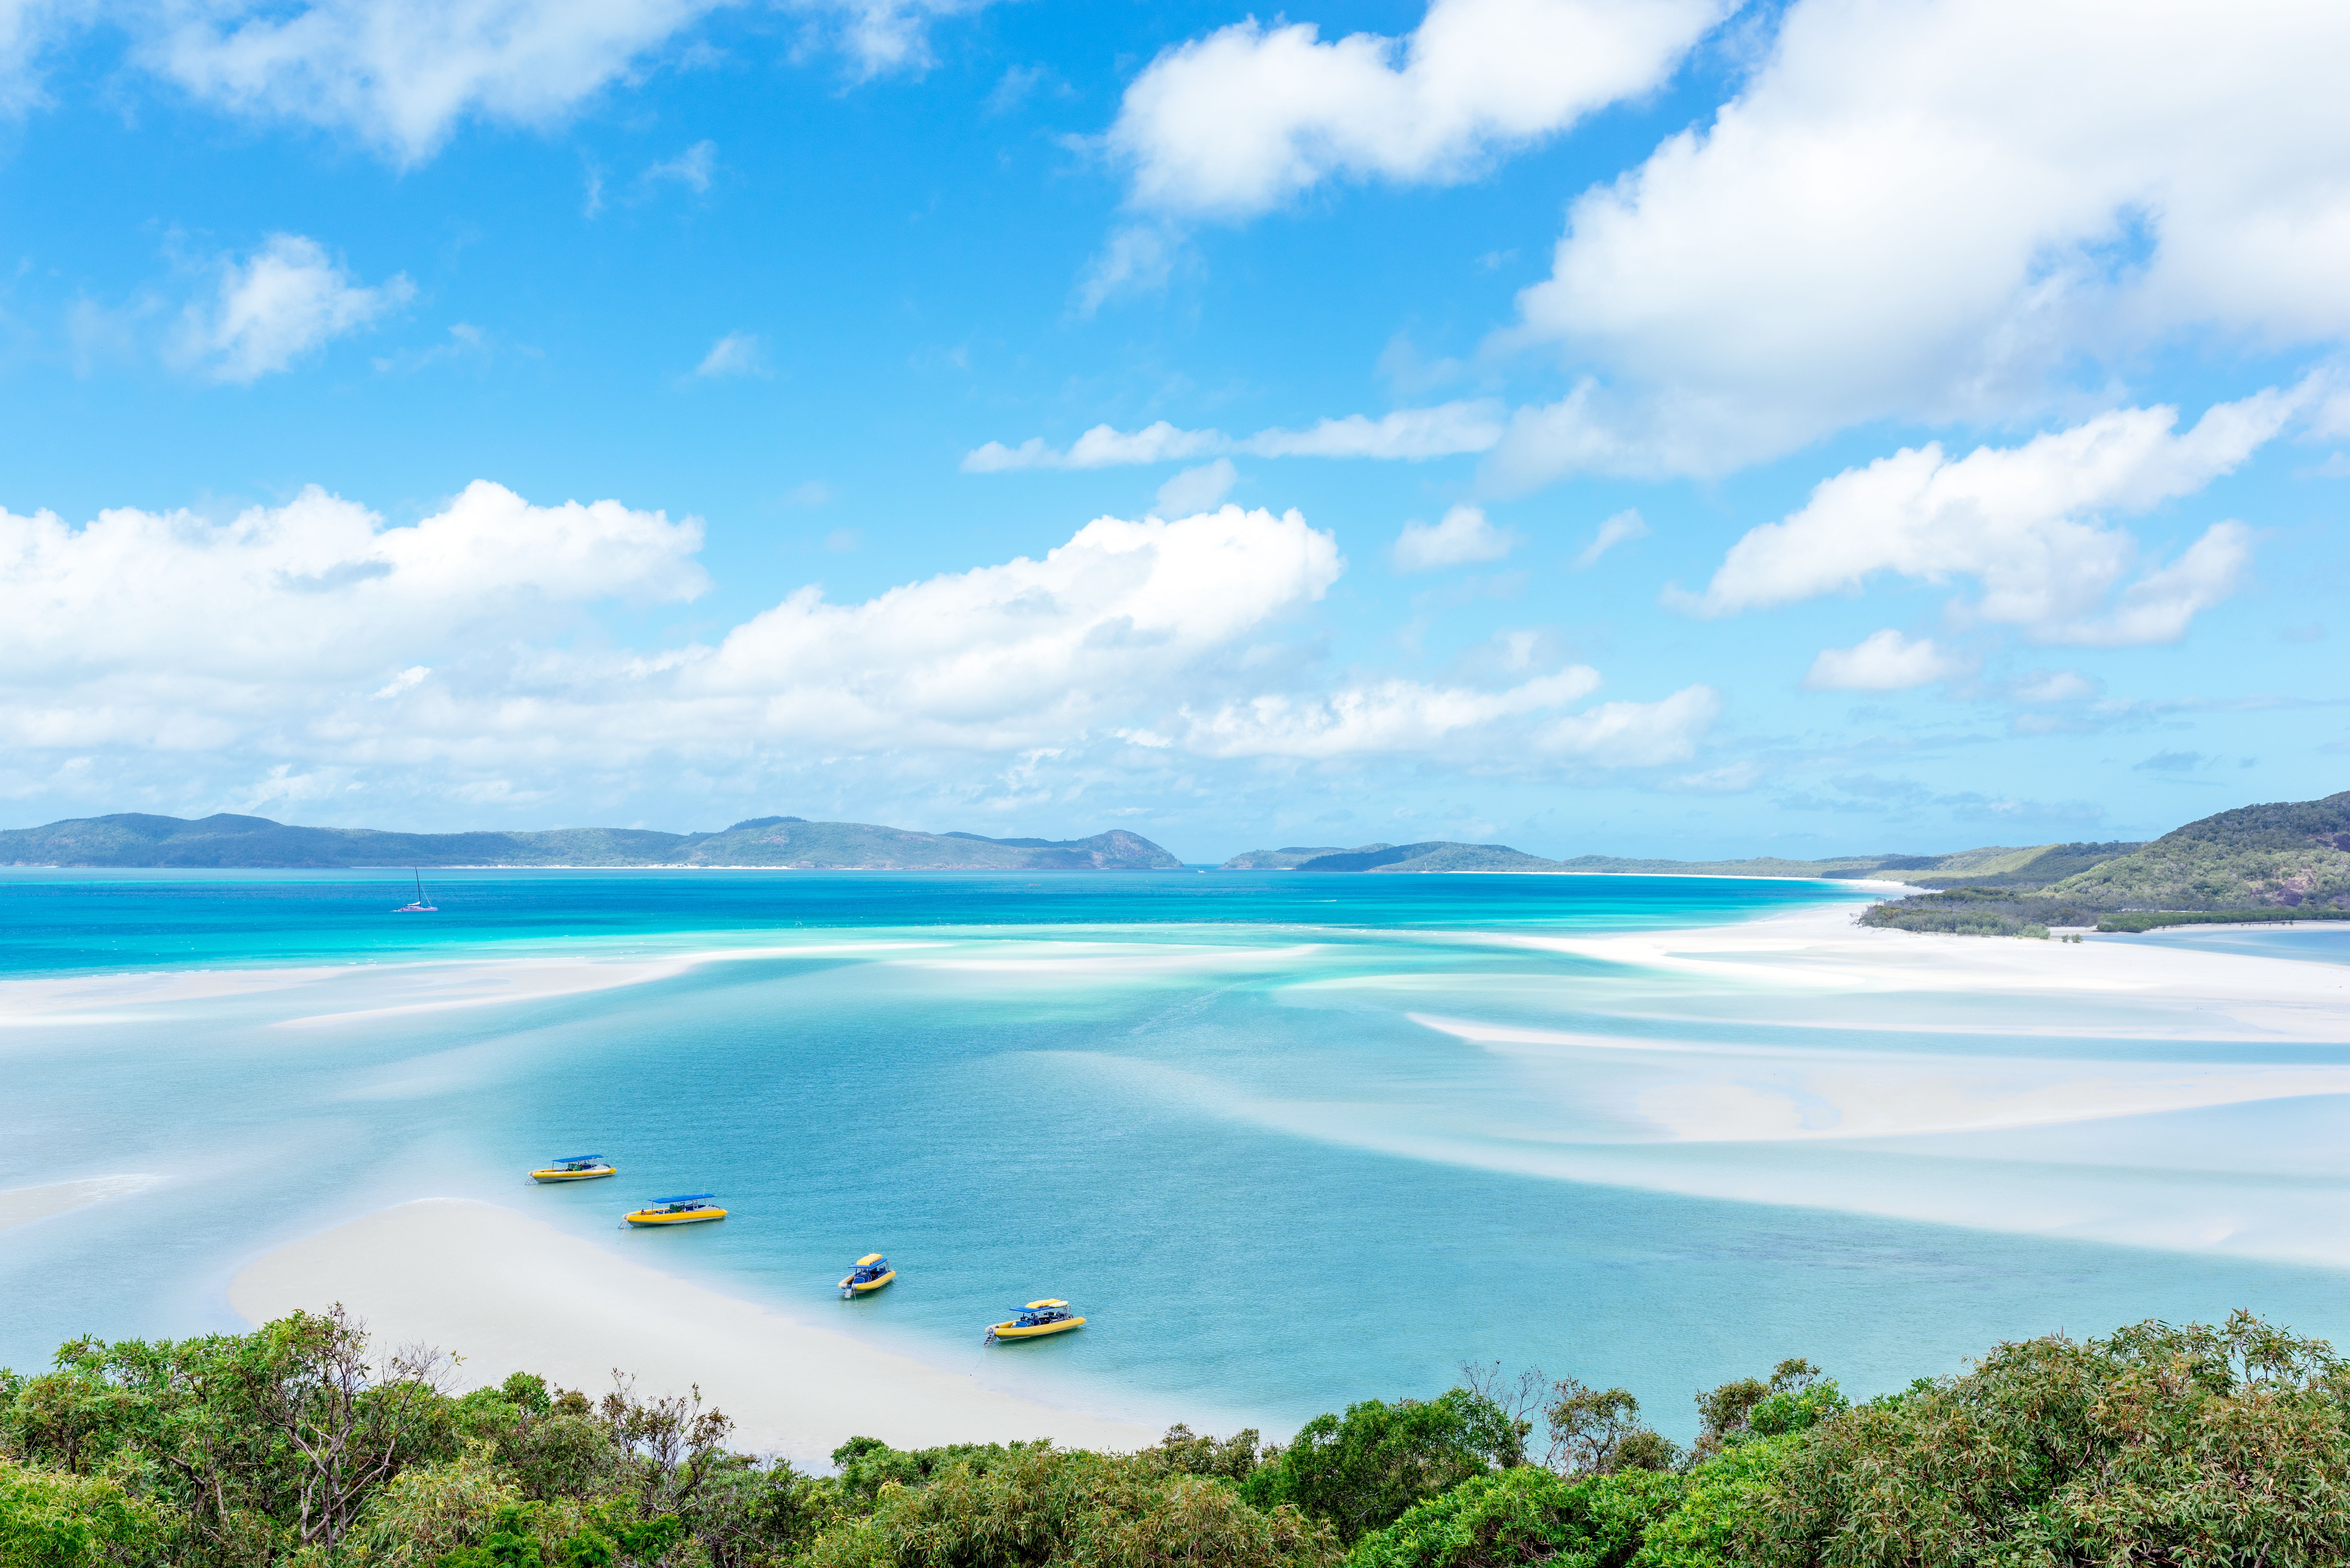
(1406, 717)
(1249, 115)
(1406, 434)
(1464, 535)
(318, 653)
(276, 306)
(1022, 654)
(166, 629)
(2025, 522)
(1386, 717)
(1933, 212)
(1883, 661)
(1623, 527)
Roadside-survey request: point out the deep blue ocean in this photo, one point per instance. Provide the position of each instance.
(1289, 1141)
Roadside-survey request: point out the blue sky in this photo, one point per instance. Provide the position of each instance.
(1597, 426)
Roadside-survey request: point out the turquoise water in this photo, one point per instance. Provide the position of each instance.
(1289, 1141)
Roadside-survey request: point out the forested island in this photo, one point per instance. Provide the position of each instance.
(300, 1445)
(225, 841)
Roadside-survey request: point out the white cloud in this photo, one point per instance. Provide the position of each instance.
(1883, 661)
(1138, 259)
(1731, 778)
(164, 628)
(1104, 446)
(313, 626)
(1463, 535)
(737, 354)
(881, 36)
(1448, 429)
(1509, 728)
(309, 651)
(1407, 434)
(2054, 686)
(1621, 528)
(1239, 121)
(1939, 212)
(2023, 521)
(692, 168)
(1198, 488)
(401, 74)
(1633, 734)
(27, 27)
(1387, 717)
(278, 303)
(1023, 654)
(2158, 606)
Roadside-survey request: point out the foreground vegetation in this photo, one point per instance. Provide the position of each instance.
(296, 1445)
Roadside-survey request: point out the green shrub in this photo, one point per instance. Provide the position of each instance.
(1526, 1515)
(52, 1520)
(1360, 1471)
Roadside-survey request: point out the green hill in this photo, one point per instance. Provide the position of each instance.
(135, 840)
(2287, 855)
(1291, 858)
(2032, 868)
(2286, 860)
(840, 845)
(1435, 854)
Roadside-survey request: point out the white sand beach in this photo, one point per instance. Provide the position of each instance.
(507, 1293)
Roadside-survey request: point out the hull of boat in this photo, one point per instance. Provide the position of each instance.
(850, 1287)
(690, 1217)
(575, 1174)
(1036, 1331)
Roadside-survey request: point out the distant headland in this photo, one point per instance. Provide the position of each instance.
(136, 841)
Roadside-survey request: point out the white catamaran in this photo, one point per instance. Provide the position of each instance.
(420, 907)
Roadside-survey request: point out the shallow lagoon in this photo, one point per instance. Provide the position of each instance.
(1234, 1116)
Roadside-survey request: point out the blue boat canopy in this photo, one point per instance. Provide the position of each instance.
(686, 1197)
(575, 1158)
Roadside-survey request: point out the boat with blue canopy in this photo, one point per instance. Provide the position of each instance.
(1037, 1319)
(574, 1168)
(869, 1272)
(685, 1208)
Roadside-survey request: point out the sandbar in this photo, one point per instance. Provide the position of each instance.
(2198, 995)
(507, 1293)
(23, 1205)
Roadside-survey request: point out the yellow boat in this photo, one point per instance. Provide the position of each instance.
(574, 1168)
(1037, 1319)
(687, 1208)
(871, 1272)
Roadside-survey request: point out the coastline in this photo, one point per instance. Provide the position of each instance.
(507, 1293)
